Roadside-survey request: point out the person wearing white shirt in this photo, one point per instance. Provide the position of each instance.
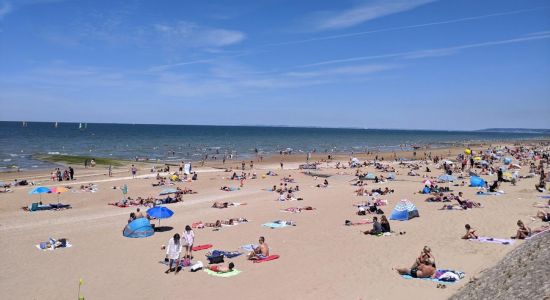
(173, 252)
(189, 238)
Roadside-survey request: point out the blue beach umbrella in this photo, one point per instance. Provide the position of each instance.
(168, 191)
(160, 212)
(39, 190)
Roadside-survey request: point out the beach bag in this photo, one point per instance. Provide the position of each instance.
(379, 211)
(186, 262)
(215, 259)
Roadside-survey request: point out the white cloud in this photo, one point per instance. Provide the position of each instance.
(345, 71)
(5, 8)
(193, 35)
(368, 11)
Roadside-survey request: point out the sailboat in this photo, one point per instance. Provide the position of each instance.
(85, 125)
(24, 124)
(55, 125)
(80, 126)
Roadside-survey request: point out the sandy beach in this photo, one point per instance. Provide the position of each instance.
(320, 258)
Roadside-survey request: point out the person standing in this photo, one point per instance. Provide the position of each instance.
(281, 165)
(110, 171)
(243, 165)
(71, 172)
(173, 252)
(189, 239)
(134, 171)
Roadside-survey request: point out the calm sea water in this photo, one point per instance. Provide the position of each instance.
(18, 144)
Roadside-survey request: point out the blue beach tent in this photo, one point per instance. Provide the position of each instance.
(404, 210)
(138, 228)
(477, 182)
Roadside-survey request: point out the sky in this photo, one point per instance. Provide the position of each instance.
(402, 64)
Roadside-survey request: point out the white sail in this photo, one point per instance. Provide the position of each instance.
(80, 126)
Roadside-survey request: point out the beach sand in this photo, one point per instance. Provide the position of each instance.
(320, 258)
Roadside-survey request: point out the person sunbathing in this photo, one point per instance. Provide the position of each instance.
(225, 188)
(220, 204)
(522, 232)
(544, 216)
(470, 233)
(222, 268)
(260, 252)
(423, 270)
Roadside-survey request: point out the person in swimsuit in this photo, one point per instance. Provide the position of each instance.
(423, 257)
(523, 231)
(260, 252)
(222, 268)
(470, 233)
(544, 216)
(423, 270)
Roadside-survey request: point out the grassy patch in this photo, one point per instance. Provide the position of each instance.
(78, 160)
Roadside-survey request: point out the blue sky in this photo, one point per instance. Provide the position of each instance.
(448, 64)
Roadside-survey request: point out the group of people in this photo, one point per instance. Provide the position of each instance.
(175, 247)
(66, 175)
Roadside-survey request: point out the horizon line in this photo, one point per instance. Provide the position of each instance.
(285, 126)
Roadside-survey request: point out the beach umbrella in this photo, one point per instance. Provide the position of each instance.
(477, 158)
(58, 190)
(160, 212)
(446, 178)
(467, 151)
(168, 191)
(39, 190)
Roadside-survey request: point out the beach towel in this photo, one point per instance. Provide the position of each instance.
(228, 254)
(544, 197)
(483, 239)
(489, 194)
(278, 224)
(167, 263)
(50, 249)
(441, 276)
(202, 247)
(271, 257)
(224, 275)
(249, 247)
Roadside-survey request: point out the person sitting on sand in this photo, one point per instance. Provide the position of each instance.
(139, 214)
(523, 231)
(470, 233)
(260, 252)
(324, 185)
(423, 270)
(423, 257)
(132, 217)
(385, 224)
(222, 268)
(376, 227)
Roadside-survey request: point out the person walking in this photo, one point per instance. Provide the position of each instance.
(173, 252)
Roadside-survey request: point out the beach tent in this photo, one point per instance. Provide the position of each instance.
(404, 210)
(477, 181)
(355, 162)
(391, 176)
(369, 176)
(507, 160)
(138, 228)
(446, 178)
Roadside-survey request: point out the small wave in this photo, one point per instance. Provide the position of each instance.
(53, 153)
(13, 155)
(7, 159)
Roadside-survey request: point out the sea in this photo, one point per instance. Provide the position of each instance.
(19, 143)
